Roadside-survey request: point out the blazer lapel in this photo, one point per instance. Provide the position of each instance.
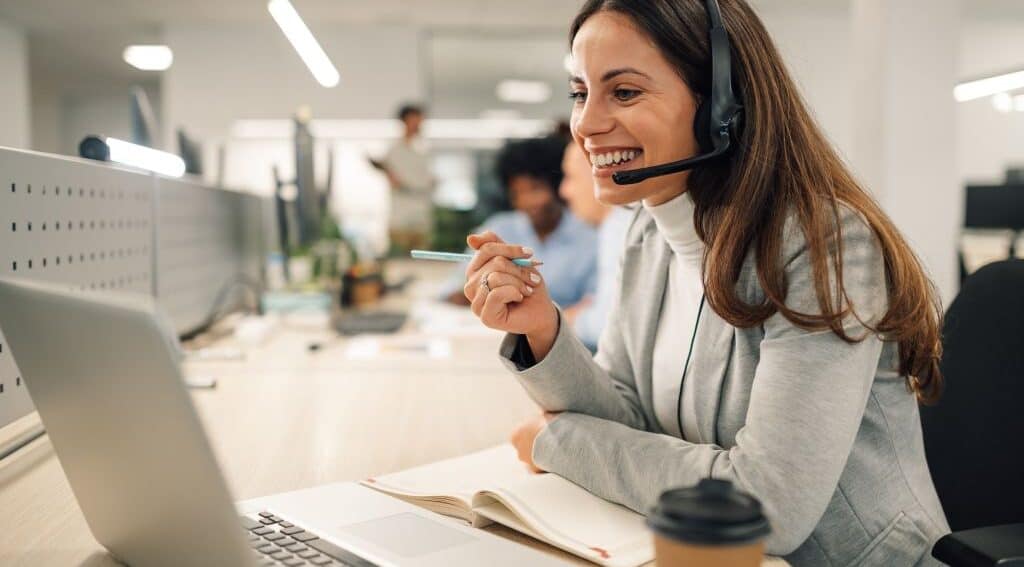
(647, 270)
(712, 350)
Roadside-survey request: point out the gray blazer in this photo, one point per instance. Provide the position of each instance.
(823, 432)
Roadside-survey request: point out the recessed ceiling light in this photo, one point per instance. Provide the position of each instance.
(149, 57)
(529, 92)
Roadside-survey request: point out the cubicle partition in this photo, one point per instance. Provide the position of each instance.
(209, 250)
(97, 227)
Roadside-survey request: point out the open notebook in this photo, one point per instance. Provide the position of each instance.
(493, 486)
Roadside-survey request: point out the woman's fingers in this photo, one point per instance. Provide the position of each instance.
(500, 265)
(497, 281)
(500, 279)
(490, 250)
(476, 240)
(494, 312)
(478, 298)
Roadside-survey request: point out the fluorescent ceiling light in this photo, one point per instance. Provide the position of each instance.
(145, 158)
(303, 41)
(987, 87)
(1002, 102)
(149, 57)
(530, 92)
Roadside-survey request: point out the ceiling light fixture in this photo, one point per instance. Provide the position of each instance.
(981, 88)
(148, 57)
(303, 41)
(529, 92)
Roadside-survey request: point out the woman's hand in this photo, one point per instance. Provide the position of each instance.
(524, 436)
(515, 299)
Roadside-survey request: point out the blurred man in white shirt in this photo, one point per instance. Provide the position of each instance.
(412, 185)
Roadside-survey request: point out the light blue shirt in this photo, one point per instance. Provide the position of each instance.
(611, 242)
(569, 254)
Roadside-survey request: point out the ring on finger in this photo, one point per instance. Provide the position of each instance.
(483, 282)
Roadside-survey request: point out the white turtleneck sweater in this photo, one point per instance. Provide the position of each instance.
(683, 295)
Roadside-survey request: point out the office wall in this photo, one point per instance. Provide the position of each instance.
(225, 73)
(815, 46)
(14, 88)
(46, 119)
(989, 139)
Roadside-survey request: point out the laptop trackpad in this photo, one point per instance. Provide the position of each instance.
(408, 535)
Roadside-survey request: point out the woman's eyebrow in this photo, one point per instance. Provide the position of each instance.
(622, 71)
(612, 74)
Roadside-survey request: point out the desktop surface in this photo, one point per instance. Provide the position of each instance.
(285, 417)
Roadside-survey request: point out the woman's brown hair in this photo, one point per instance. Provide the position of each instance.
(783, 165)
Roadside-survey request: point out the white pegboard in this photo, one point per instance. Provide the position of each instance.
(98, 227)
(73, 222)
(208, 240)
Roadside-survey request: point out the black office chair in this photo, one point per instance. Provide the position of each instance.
(974, 436)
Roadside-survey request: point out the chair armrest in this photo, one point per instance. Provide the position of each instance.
(982, 547)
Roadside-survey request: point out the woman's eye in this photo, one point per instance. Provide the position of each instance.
(578, 96)
(626, 94)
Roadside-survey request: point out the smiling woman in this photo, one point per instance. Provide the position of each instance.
(773, 328)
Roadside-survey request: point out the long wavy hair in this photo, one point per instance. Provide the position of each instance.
(783, 164)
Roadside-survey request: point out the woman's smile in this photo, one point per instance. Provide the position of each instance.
(608, 160)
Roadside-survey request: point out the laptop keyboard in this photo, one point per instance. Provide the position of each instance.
(278, 542)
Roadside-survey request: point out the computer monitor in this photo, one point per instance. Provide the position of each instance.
(307, 201)
(995, 206)
(190, 152)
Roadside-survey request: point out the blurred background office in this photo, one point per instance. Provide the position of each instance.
(226, 86)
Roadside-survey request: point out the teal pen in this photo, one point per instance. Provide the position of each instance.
(455, 257)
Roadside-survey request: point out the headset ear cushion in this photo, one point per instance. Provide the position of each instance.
(702, 127)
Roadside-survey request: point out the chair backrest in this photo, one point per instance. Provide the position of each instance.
(974, 436)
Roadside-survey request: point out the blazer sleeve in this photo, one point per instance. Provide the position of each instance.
(807, 401)
(572, 378)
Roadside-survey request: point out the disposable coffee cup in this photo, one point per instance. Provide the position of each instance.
(709, 525)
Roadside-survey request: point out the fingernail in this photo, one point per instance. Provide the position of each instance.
(529, 290)
(527, 251)
(534, 278)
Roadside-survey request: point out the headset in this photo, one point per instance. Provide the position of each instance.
(719, 116)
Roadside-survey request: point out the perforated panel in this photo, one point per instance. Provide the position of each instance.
(68, 221)
(207, 240)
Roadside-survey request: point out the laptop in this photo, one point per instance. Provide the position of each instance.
(103, 373)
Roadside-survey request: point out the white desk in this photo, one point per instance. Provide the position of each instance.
(286, 418)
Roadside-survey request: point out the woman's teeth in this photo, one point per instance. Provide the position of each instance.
(613, 158)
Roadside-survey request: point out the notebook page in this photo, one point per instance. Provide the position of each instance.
(569, 517)
(459, 478)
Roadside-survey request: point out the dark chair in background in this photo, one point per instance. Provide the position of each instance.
(974, 436)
